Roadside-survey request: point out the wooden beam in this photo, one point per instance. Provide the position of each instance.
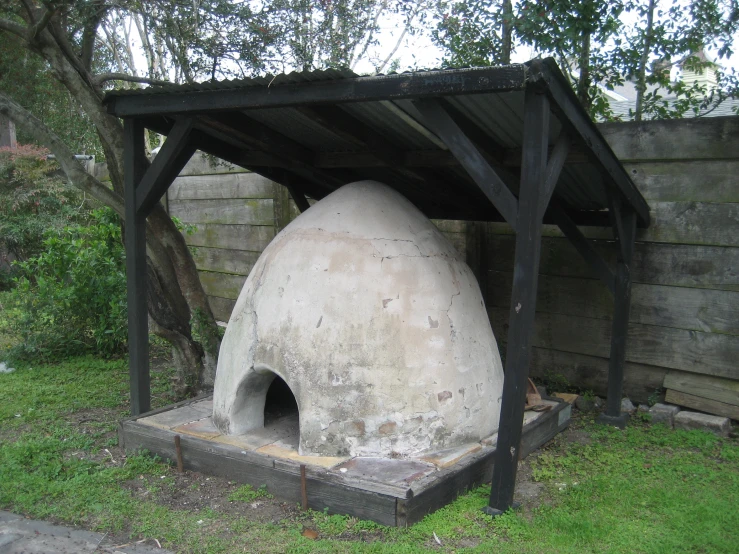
(255, 135)
(298, 197)
(357, 89)
(439, 121)
(410, 159)
(172, 157)
(358, 133)
(623, 230)
(282, 151)
(556, 162)
(365, 158)
(493, 152)
(624, 227)
(134, 166)
(523, 301)
(577, 122)
(707, 405)
(234, 154)
(582, 245)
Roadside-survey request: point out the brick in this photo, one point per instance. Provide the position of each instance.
(693, 420)
(664, 413)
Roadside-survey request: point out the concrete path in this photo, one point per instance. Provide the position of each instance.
(26, 536)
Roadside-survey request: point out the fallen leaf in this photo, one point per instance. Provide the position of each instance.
(310, 534)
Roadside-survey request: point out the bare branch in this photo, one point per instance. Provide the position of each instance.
(65, 157)
(354, 60)
(104, 77)
(406, 27)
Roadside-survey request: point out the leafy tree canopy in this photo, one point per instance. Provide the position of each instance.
(601, 44)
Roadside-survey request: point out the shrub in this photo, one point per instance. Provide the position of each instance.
(71, 298)
(34, 198)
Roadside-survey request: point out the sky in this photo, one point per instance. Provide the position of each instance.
(419, 51)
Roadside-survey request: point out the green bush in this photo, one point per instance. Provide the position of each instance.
(71, 298)
(34, 198)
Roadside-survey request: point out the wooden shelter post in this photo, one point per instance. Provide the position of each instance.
(523, 300)
(624, 229)
(144, 186)
(134, 167)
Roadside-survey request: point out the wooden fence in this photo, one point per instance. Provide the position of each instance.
(684, 326)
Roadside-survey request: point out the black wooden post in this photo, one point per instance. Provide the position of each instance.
(523, 300)
(134, 167)
(624, 226)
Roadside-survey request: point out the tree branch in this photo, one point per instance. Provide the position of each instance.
(15, 28)
(41, 24)
(65, 157)
(104, 77)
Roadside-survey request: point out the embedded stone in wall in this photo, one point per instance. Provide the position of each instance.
(375, 323)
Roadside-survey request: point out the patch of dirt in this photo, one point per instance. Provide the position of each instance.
(194, 491)
(10, 435)
(576, 436)
(527, 490)
(464, 543)
(364, 536)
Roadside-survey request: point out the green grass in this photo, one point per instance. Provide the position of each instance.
(646, 489)
(246, 493)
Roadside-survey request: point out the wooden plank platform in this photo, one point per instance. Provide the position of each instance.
(393, 492)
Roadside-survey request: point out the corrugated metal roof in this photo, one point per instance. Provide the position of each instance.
(235, 84)
(320, 129)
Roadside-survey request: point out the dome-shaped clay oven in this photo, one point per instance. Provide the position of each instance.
(374, 322)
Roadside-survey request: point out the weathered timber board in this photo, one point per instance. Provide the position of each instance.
(702, 404)
(223, 186)
(680, 307)
(711, 267)
(388, 504)
(221, 307)
(707, 138)
(458, 240)
(238, 211)
(678, 181)
(233, 237)
(203, 164)
(704, 386)
(697, 352)
(435, 491)
(223, 285)
(281, 206)
(212, 458)
(700, 223)
(451, 225)
(224, 260)
(591, 372)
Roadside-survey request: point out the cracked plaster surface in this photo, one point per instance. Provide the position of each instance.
(402, 359)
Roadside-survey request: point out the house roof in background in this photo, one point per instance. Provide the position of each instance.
(729, 106)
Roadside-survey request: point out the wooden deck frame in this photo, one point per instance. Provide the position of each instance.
(396, 504)
(198, 116)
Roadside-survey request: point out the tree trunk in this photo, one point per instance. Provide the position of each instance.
(641, 76)
(507, 32)
(176, 297)
(583, 83)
